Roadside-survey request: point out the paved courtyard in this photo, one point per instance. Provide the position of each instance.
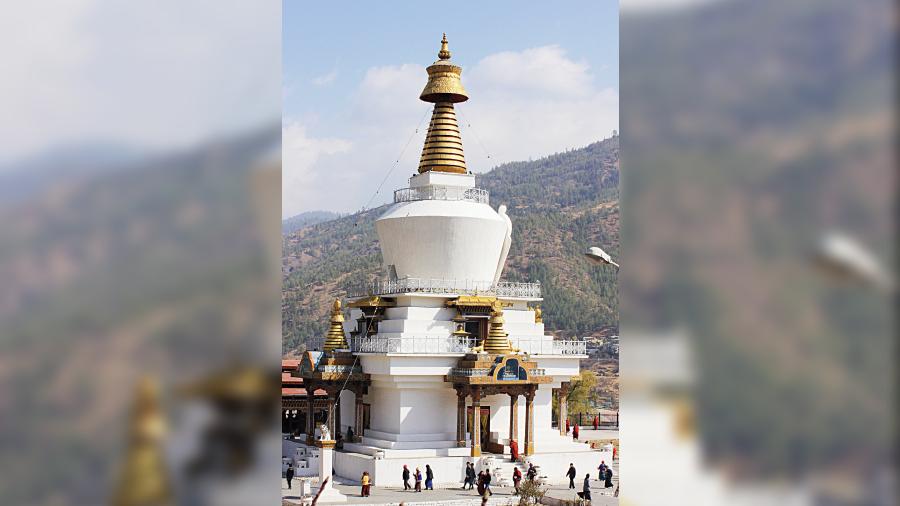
(392, 495)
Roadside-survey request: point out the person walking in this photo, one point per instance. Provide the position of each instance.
(608, 477)
(531, 473)
(487, 482)
(572, 473)
(602, 474)
(517, 478)
(567, 425)
(289, 474)
(365, 480)
(481, 483)
(418, 480)
(429, 478)
(406, 478)
(575, 432)
(596, 421)
(470, 476)
(586, 488)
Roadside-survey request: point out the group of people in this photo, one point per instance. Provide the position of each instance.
(605, 475)
(481, 480)
(429, 478)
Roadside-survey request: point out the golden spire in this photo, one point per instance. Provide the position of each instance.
(144, 480)
(497, 341)
(443, 150)
(335, 339)
(444, 53)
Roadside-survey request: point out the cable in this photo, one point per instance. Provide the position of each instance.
(475, 134)
(393, 166)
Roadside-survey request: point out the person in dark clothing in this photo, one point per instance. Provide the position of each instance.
(572, 473)
(406, 478)
(429, 478)
(470, 476)
(602, 475)
(289, 474)
(531, 473)
(608, 478)
(586, 488)
(575, 432)
(487, 482)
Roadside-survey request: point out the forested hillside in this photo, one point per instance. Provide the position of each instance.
(559, 205)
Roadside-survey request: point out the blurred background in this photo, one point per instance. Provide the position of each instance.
(758, 199)
(139, 252)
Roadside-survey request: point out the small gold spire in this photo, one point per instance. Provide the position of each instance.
(144, 480)
(497, 342)
(538, 315)
(335, 339)
(444, 53)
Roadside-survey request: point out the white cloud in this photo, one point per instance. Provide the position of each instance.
(523, 104)
(325, 79)
(300, 177)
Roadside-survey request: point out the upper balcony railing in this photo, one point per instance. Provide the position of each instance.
(442, 193)
(453, 345)
(450, 286)
(412, 344)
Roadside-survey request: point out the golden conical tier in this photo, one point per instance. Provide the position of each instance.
(497, 342)
(335, 339)
(443, 150)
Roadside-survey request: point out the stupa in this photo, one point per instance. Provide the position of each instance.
(449, 363)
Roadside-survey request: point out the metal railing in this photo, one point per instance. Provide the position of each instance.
(442, 193)
(450, 286)
(440, 344)
(412, 344)
(544, 346)
(469, 372)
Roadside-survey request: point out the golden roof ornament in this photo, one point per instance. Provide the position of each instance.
(335, 339)
(538, 315)
(144, 478)
(443, 150)
(497, 342)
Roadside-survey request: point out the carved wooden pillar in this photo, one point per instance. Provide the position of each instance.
(476, 422)
(563, 407)
(310, 414)
(331, 414)
(461, 418)
(529, 421)
(360, 411)
(513, 417)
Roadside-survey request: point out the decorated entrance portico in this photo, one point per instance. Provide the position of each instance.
(481, 375)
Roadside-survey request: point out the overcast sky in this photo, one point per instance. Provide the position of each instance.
(541, 78)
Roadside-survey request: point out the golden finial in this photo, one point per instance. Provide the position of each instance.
(335, 339)
(444, 53)
(144, 480)
(497, 341)
(443, 151)
(538, 315)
